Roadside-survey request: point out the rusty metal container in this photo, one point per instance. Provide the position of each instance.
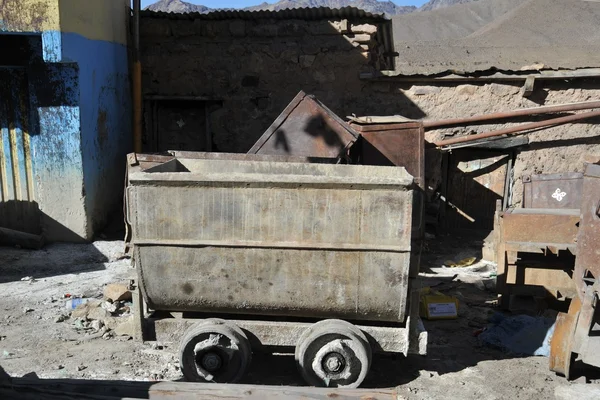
(535, 253)
(563, 191)
(306, 128)
(272, 238)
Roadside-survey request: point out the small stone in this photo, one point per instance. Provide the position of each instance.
(81, 367)
(27, 310)
(110, 307)
(61, 318)
(466, 90)
(60, 366)
(96, 325)
(117, 292)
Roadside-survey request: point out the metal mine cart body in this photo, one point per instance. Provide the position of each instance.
(311, 256)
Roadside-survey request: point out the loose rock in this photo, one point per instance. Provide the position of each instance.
(117, 292)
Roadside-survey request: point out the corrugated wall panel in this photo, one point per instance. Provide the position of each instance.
(18, 209)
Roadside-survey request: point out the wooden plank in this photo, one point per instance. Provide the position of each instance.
(210, 391)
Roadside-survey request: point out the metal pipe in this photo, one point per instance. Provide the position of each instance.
(137, 80)
(520, 128)
(586, 105)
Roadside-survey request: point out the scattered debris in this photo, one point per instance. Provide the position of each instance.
(117, 292)
(82, 310)
(467, 262)
(7, 354)
(74, 303)
(61, 318)
(111, 307)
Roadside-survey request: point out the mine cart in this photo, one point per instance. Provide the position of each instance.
(241, 253)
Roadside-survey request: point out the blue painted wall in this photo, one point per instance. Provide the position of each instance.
(105, 113)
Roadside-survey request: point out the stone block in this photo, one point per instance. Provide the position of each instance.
(466, 90)
(364, 28)
(264, 30)
(360, 38)
(117, 292)
(341, 26)
(237, 28)
(311, 48)
(82, 310)
(98, 314)
(306, 61)
(125, 328)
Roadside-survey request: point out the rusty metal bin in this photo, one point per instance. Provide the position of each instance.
(276, 246)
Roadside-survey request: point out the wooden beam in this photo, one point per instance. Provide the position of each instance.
(212, 391)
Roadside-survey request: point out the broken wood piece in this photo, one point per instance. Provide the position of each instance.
(10, 237)
(206, 391)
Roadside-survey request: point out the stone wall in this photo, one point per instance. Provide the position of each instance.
(559, 149)
(255, 68)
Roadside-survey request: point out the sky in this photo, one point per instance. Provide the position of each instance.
(246, 3)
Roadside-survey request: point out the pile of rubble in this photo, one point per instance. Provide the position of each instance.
(102, 318)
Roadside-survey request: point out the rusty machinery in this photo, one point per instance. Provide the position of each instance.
(577, 333)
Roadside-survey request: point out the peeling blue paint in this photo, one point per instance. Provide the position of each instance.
(51, 46)
(105, 103)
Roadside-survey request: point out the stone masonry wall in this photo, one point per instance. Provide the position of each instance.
(255, 68)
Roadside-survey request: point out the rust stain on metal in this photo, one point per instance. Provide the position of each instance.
(587, 264)
(553, 191)
(561, 345)
(306, 128)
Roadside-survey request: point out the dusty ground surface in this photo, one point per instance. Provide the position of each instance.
(458, 366)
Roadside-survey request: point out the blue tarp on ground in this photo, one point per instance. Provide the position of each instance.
(520, 334)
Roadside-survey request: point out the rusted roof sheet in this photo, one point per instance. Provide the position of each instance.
(307, 13)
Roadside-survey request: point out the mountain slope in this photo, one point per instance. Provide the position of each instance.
(373, 6)
(435, 4)
(177, 6)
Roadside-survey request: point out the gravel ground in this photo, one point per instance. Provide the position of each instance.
(457, 366)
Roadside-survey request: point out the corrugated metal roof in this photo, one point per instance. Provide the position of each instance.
(307, 13)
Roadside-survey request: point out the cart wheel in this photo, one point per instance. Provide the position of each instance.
(214, 351)
(333, 353)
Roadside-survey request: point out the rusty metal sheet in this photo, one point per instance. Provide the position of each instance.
(561, 344)
(587, 266)
(402, 145)
(306, 128)
(269, 238)
(251, 157)
(544, 226)
(553, 190)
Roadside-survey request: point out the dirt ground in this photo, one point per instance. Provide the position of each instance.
(457, 366)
